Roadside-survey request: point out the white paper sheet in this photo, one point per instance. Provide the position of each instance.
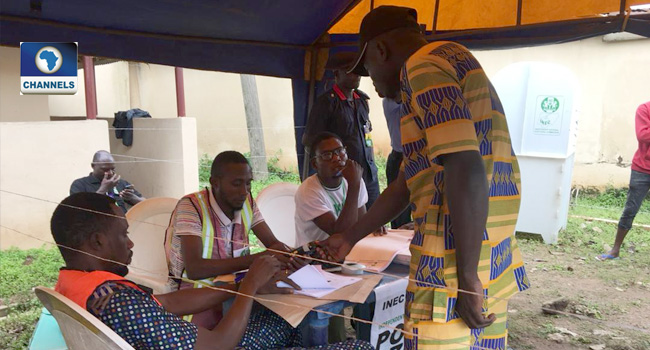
(317, 283)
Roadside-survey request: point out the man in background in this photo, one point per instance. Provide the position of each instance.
(343, 110)
(393, 114)
(104, 180)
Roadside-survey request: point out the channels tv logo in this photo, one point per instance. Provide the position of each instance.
(48, 68)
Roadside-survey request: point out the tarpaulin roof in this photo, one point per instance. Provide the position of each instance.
(272, 37)
(279, 37)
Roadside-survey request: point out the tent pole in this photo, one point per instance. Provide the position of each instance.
(435, 17)
(90, 88)
(310, 102)
(180, 91)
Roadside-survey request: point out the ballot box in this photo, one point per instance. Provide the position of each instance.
(541, 102)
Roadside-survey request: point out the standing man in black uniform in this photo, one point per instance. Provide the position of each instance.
(343, 110)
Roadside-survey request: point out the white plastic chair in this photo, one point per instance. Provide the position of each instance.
(148, 221)
(80, 329)
(277, 205)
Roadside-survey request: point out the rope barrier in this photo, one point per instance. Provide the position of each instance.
(279, 252)
(254, 297)
(289, 254)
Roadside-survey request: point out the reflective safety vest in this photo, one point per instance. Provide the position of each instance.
(217, 247)
(78, 285)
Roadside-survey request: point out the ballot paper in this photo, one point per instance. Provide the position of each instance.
(317, 283)
(377, 252)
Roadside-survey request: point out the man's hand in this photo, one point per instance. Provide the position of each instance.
(262, 270)
(128, 194)
(469, 306)
(408, 226)
(109, 182)
(289, 262)
(272, 288)
(353, 172)
(335, 248)
(381, 231)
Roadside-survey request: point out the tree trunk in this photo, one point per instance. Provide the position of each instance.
(254, 124)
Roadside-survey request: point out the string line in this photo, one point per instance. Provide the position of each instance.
(254, 297)
(214, 129)
(288, 254)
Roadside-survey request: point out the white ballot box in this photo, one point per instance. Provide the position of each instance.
(541, 104)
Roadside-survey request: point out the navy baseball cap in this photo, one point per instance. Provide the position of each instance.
(379, 21)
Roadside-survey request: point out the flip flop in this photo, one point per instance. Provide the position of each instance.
(603, 257)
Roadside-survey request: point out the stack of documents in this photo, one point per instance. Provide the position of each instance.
(317, 283)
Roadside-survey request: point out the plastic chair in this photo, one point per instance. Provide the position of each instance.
(47, 334)
(148, 221)
(80, 329)
(277, 205)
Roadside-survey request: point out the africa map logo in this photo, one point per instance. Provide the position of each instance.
(48, 60)
(48, 68)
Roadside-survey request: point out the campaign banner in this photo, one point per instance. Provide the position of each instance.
(389, 311)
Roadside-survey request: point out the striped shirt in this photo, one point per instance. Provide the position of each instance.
(450, 106)
(186, 220)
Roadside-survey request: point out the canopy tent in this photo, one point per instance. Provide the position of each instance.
(279, 38)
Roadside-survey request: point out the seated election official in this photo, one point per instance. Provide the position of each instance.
(92, 235)
(208, 231)
(104, 180)
(335, 197)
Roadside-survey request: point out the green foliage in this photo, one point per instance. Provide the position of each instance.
(16, 330)
(205, 162)
(607, 205)
(23, 270)
(380, 161)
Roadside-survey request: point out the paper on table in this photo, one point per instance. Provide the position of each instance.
(377, 252)
(293, 308)
(317, 283)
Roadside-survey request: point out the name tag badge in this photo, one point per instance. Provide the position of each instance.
(241, 252)
(368, 140)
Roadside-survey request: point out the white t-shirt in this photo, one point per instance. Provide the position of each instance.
(314, 200)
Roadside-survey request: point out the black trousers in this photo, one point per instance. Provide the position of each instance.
(392, 171)
(373, 191)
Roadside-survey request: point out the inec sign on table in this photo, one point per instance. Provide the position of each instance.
(389, 310)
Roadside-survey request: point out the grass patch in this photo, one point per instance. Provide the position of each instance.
(23, 270)
(607, 205)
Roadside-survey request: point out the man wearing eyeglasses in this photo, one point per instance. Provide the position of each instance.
(334, 198)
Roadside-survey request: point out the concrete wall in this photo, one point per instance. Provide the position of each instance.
(41, 159)
(159, 163)
(214, 99)
(112, 93)
(614, 80)
(15, 107)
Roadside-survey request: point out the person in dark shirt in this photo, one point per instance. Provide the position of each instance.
(343, 110)
(104, 180)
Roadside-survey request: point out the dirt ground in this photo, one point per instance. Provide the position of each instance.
(612, 298)
(607, 303)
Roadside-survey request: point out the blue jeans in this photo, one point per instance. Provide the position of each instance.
(639, 186)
